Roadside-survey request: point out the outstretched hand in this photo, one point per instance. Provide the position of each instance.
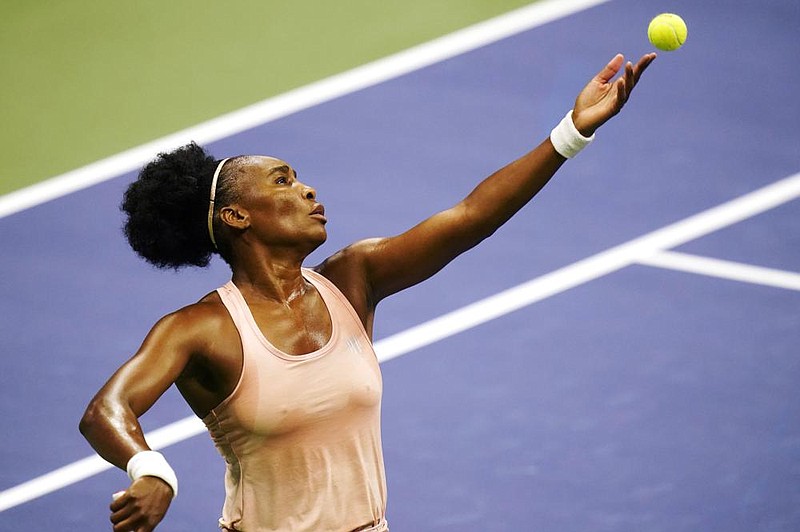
(604, 96)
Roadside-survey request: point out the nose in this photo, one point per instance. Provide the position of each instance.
(309, 192)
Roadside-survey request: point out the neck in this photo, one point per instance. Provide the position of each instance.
(270, 275)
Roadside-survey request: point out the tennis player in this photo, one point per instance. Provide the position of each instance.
(278, 362)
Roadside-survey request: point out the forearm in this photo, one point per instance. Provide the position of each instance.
(505, 192)
(396, 263)
(113, 430)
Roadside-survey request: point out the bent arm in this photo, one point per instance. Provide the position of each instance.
(110, 423)
(392, 264)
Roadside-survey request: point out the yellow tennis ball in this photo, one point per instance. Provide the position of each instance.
(667, 32)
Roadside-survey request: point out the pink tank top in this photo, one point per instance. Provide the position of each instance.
(300, 434)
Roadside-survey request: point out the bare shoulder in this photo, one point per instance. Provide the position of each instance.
(349, 266)
(198, 323)
(348, 269)
(204, 334)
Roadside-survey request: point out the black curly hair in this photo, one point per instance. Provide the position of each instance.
(167, 208)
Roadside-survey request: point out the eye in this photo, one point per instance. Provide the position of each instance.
(282, 180)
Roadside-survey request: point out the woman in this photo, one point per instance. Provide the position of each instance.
(278, 362)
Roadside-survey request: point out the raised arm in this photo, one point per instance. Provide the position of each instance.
(392, 264)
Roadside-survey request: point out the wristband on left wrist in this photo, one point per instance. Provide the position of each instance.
(566, 138)
(152, 464)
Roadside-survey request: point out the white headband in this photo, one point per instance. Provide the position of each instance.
(211, 201)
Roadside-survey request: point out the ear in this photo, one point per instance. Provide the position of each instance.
(235, 216)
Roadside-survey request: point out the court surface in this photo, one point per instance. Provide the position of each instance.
(622, 355)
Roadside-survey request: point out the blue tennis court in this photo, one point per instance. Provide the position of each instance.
(622, 355)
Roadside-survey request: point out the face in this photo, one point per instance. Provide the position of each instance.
(280, 209)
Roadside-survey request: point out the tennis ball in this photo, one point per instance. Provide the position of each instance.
(667, 32)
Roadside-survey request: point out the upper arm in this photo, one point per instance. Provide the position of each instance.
(401, 261)
(389, 265)
(156, 365)
(110, 422)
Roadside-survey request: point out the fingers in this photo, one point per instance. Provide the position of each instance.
(611, 69)
(622, 88)
(124, 515)
(142, 506)
(629, 79)
(116, 501)
(642, 65)
(604, 96)
(634, 72)
(622, 95)
(614, 66)
(122, 519)
(128, 520)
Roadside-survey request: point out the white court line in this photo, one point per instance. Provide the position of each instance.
(592, 267)
(92, 465)
(724, 269)
(609, 261)
(271, 109)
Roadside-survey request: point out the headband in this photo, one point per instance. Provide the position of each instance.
(211, 201)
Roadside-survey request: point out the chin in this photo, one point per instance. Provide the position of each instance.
(318, 240)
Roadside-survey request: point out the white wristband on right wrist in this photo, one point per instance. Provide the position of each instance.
(152, 464)
(566, 138)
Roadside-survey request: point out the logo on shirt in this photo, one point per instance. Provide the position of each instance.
(354, 344)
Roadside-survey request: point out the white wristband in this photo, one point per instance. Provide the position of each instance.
(152, 464)
(566, 138)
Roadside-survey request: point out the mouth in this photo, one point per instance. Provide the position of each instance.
(318, 212)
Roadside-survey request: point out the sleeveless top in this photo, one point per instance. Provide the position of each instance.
(300, 434)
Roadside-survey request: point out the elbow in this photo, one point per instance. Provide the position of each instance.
(96, 417)
(106, 414)
(89, 419)
(476, 226)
